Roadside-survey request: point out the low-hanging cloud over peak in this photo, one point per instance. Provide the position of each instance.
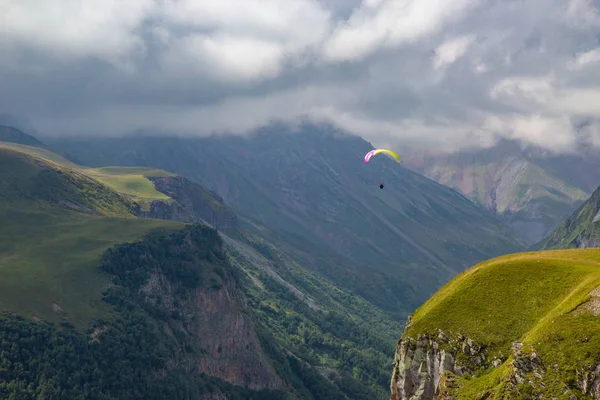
(429, 72)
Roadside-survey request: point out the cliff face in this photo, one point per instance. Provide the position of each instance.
(184, 282)
(427, 368)
(424, 367)
(218, 322)
(191, 202)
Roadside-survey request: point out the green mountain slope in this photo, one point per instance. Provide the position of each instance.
(529, 189)
(314, 191)
(48, 211)
(580, 230)
(197, 302)
(522, 326)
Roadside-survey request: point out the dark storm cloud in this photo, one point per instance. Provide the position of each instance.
(435, 72)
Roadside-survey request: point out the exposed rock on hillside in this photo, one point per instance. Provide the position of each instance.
(525, 364)
(217, 320)
(192, 202)
(424, 367)
(200, 306)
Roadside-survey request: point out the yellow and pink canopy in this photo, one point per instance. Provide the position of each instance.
(388, 153)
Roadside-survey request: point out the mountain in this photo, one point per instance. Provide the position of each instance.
(522, 326)
(102, 296)
(580, 230)
(13, 135)
(530, 189)
(310, 187)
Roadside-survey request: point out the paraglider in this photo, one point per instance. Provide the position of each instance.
(387, 152)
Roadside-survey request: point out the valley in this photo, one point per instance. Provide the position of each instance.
(261, 301)
(61, 222)
(311, 188)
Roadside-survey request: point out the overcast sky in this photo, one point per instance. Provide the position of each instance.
(443, 73)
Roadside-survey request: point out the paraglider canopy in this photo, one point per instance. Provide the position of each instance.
(387, 152)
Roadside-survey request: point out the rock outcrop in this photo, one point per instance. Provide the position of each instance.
(525, 363)
(424, 367)
(588, 380)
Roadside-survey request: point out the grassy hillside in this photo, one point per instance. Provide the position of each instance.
(48, 260)
(530, 190)
(56, 222)
(311, 188)
(132, 182)
(546, 300)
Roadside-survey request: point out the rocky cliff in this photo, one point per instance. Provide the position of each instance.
(427, 368)
(424, 367)
(185, 284)
(190, 203)
(216, 320)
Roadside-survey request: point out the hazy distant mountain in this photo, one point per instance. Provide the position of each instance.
(312, 188)
(530, 189)
(11, 134)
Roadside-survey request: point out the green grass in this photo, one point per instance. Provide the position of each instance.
(133, 185)
(132, 181)
(115, 171)
(525, 297)
(51, 256)
(40, 153)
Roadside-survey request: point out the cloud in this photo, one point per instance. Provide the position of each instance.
(450, 51)
(427, 72)
(382, 24)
